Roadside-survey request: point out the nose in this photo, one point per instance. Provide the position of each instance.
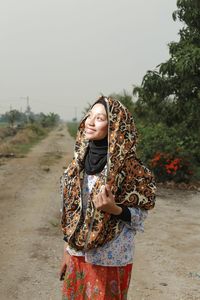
(91, 121)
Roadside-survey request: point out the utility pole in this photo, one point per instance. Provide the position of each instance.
(28, 108)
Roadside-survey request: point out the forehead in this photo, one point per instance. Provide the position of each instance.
(98, 109)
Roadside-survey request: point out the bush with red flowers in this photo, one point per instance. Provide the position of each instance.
(168, 167)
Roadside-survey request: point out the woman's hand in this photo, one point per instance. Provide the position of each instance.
(105, 201)
(63, 269)
(64, 264)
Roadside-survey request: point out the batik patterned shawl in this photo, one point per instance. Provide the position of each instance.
(130, 181)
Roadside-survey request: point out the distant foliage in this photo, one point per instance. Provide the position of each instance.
(12, 117)
(16, 118)
(47, 120)
(20, 131)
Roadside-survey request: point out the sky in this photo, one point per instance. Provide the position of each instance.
(63, 54)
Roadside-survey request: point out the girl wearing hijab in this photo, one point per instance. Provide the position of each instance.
(107, 193)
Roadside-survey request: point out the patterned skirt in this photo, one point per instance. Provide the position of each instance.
(84, 281)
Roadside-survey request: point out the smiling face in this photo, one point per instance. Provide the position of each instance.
(96, 124)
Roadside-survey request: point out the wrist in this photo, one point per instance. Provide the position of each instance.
(117, 210)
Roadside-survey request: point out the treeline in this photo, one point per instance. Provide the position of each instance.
(20, 131)
(16, 118)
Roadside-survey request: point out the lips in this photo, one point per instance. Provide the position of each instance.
(90, 130)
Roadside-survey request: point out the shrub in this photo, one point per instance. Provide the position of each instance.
(6, 148)
(37, 129)
(169, 151)
(24, 136)
(167, 167)
(72, 128)
(157, 138)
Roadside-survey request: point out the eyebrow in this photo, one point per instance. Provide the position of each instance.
(90, 112)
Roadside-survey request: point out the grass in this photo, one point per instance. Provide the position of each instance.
(23, 140)
(24, 148)
(3, 124)
(72, 127)
(21, 143)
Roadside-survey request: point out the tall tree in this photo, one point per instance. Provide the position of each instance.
(172, 91)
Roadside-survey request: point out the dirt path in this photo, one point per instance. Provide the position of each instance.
(31, 241)
(167, 261)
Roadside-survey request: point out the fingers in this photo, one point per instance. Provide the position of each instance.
(104, 199)
(107, 194)
(62, 271)
(103, 193)
(101, 198)
(108, 190)
(62, 276)
(98, 201)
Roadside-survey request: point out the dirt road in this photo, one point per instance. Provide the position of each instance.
(167, 261)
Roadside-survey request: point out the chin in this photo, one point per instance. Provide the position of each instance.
(89, 137)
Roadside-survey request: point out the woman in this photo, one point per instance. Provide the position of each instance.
(107, 192)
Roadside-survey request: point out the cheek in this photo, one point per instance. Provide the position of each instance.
(103, 129)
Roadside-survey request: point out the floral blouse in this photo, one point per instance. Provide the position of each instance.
(119, 251)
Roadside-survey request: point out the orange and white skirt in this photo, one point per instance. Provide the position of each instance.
(84, 281)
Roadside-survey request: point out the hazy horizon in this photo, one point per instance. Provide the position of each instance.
(63, 54)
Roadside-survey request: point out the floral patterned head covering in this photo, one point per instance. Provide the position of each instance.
(130, 181)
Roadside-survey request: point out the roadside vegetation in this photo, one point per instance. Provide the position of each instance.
(20, 131)
(72, 128)
(166, 107)
(168, 104)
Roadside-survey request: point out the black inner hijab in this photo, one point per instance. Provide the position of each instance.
(96, 156)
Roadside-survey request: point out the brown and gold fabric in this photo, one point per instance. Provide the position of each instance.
(130, 181)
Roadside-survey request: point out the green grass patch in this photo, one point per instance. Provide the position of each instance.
(3, 124)
(23, 149)
(72, 128)
(22, 140)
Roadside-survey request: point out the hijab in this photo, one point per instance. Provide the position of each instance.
(130, 181)
(96, 155)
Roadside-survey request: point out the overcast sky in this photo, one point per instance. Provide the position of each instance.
(64, 53)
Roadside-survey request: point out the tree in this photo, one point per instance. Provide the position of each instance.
(170, 94)
(12, 116)
(49, 120)
(172, 91)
